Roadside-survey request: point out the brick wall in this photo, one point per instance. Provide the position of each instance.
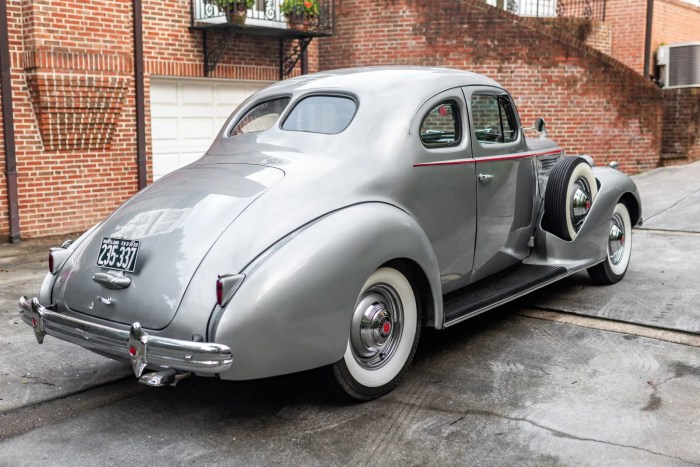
(73, 111)
(4, 212)
(674, 22)
(627, 21)
(74, 104)
(681, 133)
(593, 104)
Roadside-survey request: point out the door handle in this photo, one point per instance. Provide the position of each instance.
(483, 178)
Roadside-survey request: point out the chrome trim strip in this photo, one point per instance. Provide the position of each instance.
(151, 351)
(489, 158)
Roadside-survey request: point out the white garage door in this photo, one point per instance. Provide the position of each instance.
(186, 115)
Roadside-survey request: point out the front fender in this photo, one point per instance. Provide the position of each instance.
(591, 242)
(293, 310)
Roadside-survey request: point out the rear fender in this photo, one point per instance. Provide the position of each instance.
(293, 310)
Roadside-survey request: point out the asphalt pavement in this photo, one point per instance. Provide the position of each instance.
(575, 374)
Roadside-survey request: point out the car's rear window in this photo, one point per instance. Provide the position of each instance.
(321, 114)
(261, 117)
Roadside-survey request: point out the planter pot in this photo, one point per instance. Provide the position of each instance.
(302, 23)
(236, 14)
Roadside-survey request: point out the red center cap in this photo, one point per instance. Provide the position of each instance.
(588, 205)
(132, 350)
(386, 328)
(622, 240)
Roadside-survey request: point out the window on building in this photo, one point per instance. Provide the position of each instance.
(441, 126)
(261, 117)
(493, 119)
(328, 115)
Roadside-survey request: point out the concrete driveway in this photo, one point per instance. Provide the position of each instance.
(574, 374)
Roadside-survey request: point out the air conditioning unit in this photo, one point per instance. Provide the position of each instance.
(679, 65)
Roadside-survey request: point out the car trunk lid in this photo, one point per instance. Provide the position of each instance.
(175, 221)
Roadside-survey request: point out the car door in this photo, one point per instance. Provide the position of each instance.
(443, 187)
(506, 181)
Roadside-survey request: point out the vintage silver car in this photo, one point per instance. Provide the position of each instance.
(334, 216)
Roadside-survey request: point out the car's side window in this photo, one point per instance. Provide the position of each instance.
(261, 117)
(328, 115)
(493, 119)
(441, 127)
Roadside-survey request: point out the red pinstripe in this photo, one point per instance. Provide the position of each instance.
(505, 157)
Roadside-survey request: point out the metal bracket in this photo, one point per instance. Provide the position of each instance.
(211, 59)
(288, 62)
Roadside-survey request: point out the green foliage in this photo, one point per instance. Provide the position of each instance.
(233, 4)
(300, 8)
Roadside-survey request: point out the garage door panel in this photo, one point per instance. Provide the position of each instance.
(233, 96)
(197, 94)
(197, 128)
(164, 93)
(186, 116)
(164, 129)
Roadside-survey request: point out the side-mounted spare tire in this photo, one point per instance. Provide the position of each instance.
(571, 189)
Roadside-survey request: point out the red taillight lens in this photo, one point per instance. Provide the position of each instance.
(51, 263)
(219, 292)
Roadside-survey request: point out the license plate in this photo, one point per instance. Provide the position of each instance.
(119, 254)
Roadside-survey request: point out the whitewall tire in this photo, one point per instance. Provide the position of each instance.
(571, 190)
(384, 333)
(619, 242)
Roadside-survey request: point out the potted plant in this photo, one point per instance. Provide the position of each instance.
(300, 14)
(235, 10)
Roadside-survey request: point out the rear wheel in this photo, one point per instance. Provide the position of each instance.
(614, 267)
(571, 189)
(384, 334)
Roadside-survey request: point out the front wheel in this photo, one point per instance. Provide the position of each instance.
(614, 267)
(384, 334)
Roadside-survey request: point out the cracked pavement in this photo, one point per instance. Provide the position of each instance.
(573, 375)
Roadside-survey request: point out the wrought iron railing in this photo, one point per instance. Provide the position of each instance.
(586, 9)
(263, 13)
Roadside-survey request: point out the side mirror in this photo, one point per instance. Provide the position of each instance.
(539, 124)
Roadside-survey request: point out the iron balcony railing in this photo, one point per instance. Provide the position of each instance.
(264, 14)
(585, 9)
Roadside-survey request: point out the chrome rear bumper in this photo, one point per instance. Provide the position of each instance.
(136, 345)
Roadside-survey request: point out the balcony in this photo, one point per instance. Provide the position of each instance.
(265, 17)
(592, 10)
(294, 25)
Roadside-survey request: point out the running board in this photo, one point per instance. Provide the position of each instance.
(494, 291)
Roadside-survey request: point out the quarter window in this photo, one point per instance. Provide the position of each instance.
(261, 117)
(441, 126)
(494, 119)
(328, 115)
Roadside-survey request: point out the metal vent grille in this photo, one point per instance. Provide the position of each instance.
(546, 163)
(684, 65)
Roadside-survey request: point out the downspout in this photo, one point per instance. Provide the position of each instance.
(140, 99)
(8, 126)
(647, 38)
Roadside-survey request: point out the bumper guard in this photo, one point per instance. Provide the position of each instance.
(141, 348)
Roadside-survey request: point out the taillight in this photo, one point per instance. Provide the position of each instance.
(220, 292)
(226, 286)
(58, 256)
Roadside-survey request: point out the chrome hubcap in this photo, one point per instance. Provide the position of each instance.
(616, 240)
(580, 202)
(376, 326)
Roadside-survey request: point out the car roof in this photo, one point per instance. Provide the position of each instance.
(386, 81)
